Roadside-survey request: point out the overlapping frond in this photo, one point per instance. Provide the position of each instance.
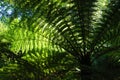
(33, 50)
(64, 19)
(83, 28)
(107, 32)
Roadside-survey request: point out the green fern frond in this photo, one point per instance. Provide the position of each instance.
(51, 28)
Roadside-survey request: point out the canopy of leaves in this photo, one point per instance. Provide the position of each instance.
(56, 39)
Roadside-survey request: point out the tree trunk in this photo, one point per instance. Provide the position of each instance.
(86, 73)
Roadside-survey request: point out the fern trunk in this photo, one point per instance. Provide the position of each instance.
(86, 73)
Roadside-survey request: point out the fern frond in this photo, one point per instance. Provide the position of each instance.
(109, 26)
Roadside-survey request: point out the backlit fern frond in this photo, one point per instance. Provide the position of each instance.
(86, 29)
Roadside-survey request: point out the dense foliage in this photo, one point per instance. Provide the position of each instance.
(60, 40)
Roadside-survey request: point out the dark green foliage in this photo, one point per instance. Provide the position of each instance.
(63, 40)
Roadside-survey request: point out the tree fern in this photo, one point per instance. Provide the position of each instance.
(85, 29)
